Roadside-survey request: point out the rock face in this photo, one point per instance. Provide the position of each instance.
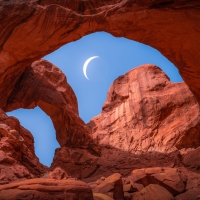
(145, 112)
(189, 195)
(31, 29)
(46, 189)
(153, 192)
(112, 184)
(169, 178)
(145, 121)
(44, 85)
(192, 160)
(17, 156)
(79, 163)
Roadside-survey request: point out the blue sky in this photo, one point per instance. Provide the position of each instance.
(117, 56)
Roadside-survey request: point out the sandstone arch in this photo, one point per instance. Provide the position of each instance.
(44, 85)
(31, 29)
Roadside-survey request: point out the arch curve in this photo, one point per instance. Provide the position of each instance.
(44, 85)
(33, 29)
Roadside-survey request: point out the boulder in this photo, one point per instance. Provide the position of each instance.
(112, 184)
(192, 160)
(169, 178)
(145, 121)
(58, 174)
(100, 196)
(46, 189)
(191, 194)
(129, 188)
(153, 192)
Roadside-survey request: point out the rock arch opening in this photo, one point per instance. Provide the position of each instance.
(44, 85)
(41, 127)
(120, 55)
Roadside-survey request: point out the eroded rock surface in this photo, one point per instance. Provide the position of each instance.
(31, 29)
(17, 156)
(169, 178)
(146, 112)
(46, 189)
(145, 121)
(44, 85)
(192, 160)
(153, 192)
(79, 163)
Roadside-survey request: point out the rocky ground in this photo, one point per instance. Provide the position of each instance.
(153, 183)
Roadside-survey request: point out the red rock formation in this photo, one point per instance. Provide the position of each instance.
(17, 157)
(145, 122)
(44, 85)
(169, 178)
(191, 160)
(31, 29)
(45, 189)
(153, 192)
(161, 120)
(145, 112)
(79, 163)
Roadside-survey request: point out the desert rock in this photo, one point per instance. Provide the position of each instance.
(192, 160)
(78, 163)
(44, 85)
(153, 192)
(45, 189)
(169, 178)
(191, 194)
(31, 29)
(146, 112)
(17, 156)
(100, 196)
(112, 184)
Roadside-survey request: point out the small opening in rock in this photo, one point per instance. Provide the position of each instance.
(41, 127)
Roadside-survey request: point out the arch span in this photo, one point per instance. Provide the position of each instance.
(32, 29)
(44, 85)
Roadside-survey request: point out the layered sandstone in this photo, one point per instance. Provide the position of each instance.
(44, 85)
(17, 156)
(146, 121)
(46, 189)
(145, 112)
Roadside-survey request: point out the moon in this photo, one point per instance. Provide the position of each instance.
(86, 65)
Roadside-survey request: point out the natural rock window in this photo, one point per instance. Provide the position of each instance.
(41, 127)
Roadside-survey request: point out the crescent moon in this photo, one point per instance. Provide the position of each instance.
(86, 65)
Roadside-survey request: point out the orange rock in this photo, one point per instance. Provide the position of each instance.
(145, 112)
(44, 85)
(33, 29)
(100, 196)
(169, 178)
(153, 192)
(112, 184)
(191, 194)
(17, 156)
(78, 163)
(192, 160)
(58, 174)
(43, 188)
